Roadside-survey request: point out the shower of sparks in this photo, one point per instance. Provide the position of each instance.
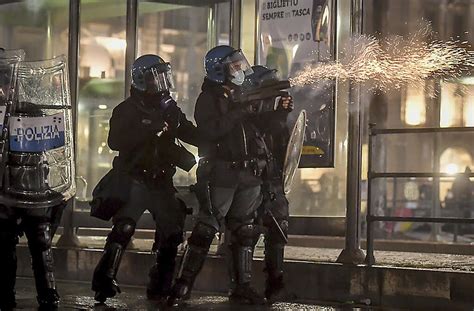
(393, 62)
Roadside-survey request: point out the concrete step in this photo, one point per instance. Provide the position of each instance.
(423, 289)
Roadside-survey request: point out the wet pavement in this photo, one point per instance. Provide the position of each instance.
(78, 296)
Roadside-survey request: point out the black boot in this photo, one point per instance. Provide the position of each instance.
(242, 248)
(103, 282)
(243, 293)
(231, 267)
(8, 241)
(39, 242)
(192, 262)
(275, 290)
(45, 282)
(161, 274)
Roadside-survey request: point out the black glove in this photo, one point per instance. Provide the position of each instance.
(154, 121)
(286, 103)
(171, 112)
(166, 102)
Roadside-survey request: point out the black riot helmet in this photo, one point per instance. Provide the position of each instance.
(223, 63)
(151, 74)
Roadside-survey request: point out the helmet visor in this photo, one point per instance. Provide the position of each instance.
(159, 78)
(237, 62)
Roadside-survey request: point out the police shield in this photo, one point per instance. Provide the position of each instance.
(293, 151)
(9, 61)
(40, 167)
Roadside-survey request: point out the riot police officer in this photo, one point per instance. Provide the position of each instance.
(274, 211)
(34, 189)
(232, 158)
(143, 129)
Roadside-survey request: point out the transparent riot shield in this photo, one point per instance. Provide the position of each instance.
(293, 151)
(40, 166)
(9, 61)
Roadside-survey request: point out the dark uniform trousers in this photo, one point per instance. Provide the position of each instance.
(168, 213)
(277, 203)
(36, 224)
(169, 216)
(237, 205)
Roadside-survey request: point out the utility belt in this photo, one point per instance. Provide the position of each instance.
(155, 177)
(255, 165)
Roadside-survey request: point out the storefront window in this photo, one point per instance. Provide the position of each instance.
(289, 41)
(457, 104)
(442, 102)
(101, 85)
(177, 33)
(38, 27)
(180, 35)
(223, 23)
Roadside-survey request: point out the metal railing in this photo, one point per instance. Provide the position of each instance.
(371, 219)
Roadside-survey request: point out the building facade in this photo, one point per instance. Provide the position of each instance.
(182, 31)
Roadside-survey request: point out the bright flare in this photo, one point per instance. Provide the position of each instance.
(393, 62)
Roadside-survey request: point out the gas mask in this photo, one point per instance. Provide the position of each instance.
(238, 77)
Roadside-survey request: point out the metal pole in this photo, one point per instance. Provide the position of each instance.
(353, 254)
(49, 35)
(235, 16)
(69, 237)
(436, 210)
(256, 58)
(212, 27)
(370, 259)
(131, 37)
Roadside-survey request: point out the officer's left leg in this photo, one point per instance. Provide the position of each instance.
(277, 231)
(204, 231)
(169, 214)
(240, 221)
(8, 241)
(38, 232)
(104, 282)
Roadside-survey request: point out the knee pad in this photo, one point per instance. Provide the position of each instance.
(234, 224)
(122, 231)
(202, 235)
(245, 235)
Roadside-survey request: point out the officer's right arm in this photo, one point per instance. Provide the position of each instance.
(211, 123)
(128, 129)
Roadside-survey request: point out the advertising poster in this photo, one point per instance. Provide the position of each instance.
(291, 35)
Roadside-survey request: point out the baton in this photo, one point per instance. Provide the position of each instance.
(275, 222)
